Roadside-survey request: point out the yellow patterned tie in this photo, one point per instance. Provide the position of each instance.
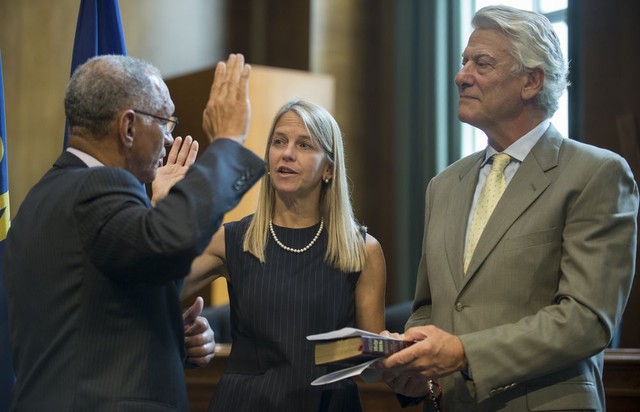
(491, 193)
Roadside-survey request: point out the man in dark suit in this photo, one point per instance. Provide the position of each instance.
(514, 313)
(92, 269)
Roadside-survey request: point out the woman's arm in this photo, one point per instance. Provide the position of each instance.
(207, 267)
(370, 289)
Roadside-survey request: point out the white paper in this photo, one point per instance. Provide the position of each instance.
(347, 373)
(343, 333)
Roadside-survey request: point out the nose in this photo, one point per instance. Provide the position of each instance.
(463, 78)
(289, 152)
(168, 139)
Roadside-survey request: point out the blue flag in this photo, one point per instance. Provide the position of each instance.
(7, 378)
(98, 31)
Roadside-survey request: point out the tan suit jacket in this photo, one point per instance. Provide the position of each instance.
(548, 281)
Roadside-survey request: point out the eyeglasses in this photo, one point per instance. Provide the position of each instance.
(168, 125)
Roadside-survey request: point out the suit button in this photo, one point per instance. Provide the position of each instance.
(459, 306)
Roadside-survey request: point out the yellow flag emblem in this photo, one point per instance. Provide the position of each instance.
(5, 216)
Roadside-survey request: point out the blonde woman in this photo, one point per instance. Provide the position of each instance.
(300, 265)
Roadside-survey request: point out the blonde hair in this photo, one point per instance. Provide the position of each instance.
(346, 246)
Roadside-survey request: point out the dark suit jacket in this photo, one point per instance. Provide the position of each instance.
(90, 270)
(548, 281)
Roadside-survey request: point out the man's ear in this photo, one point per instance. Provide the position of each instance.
(533, 81)
(127, 128)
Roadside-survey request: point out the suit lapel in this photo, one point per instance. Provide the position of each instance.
(525, 187)
(460, 198)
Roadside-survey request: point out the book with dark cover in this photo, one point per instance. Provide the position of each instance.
(357, 349)
(353, 351)
(353, 365)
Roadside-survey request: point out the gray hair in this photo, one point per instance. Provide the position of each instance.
(534, 44)
(104, 85)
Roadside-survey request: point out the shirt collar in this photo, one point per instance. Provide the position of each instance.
(521, 147)
(89, 160)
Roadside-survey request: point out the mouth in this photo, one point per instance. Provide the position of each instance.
(285, 171)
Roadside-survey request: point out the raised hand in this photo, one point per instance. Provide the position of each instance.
(228, 111)
(181, 156)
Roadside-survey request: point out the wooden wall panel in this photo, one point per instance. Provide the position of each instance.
(270, 32)
(352, 40)
(36, 38)
(606, 36)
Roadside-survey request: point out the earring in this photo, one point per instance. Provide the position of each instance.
(326, 180)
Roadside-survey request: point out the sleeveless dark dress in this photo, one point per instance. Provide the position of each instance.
(274, 306)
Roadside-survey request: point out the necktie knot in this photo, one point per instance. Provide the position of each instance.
(500, 162)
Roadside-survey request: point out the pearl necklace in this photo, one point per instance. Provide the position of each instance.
(290, 249)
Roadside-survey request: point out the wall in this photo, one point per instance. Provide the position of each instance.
(604, 48)
(36, 40)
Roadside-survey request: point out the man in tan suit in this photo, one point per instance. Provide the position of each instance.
(513, 314)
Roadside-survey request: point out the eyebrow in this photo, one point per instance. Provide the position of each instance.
(480, 54)
(299, 136)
